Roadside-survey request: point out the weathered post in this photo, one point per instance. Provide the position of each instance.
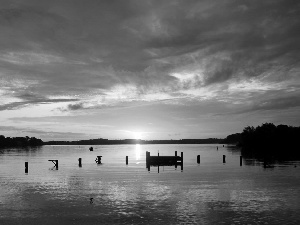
(198, 159)
(55, 162)
(98, 159)
(26, 167)
(175, 159)
(158, 162)
(79, 161)
(126, 160)
(224, 156)
(181, 161)
(148, 161)
(241, 160)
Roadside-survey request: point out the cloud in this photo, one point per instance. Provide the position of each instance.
(72, 107)
(31, 99)
(285, 101)
(44, 135)
(75, 106)
(98, 55)
(278, 103)
(142, 44)
(8, 128)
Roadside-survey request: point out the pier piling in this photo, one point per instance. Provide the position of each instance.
(126, 160)
(175, 159)
(181, 161)
(55, 162)
(224, 156)
(158, 162)
(163, 160)
(79, 161)
(98, 159)
(198, 159)
(26, 167)
(148, 160)
(241, 160)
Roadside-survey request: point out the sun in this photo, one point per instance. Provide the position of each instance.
(137, 135)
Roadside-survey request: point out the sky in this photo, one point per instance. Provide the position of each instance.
(149, 69)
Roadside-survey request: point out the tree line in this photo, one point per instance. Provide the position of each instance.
(268, 140)
(19, 141)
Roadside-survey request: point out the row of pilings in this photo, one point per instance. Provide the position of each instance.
(155, 160)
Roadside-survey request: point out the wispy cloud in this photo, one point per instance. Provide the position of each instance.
(31, 99)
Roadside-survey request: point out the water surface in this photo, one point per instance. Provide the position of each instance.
(209, 193)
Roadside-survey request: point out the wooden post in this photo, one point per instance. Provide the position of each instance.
(181, 161)
(198, 159)
(126, 160)
(55, 162)
(26, 167)
(224, 156)
(98, 159)
(79, 160)
(158, 162)
(241, 160)
(91, 149)
(148, 161)
(217, 147)
(175, 159)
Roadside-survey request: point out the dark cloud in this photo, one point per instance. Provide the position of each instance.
(44, 135)
(275, 102)
(279, 103)
(93, 46)
(75, 106)
(72, 107)
(31, 99)
(8, 128)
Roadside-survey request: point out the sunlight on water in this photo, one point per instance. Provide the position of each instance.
(211, 192)
(137, 151)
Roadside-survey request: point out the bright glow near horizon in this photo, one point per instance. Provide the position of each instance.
(137, 135)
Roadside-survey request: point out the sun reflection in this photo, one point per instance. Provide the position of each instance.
(137, 151)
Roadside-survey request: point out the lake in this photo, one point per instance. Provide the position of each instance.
(211, 192)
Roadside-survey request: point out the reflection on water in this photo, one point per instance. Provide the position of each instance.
(137, 151)
(209, 193)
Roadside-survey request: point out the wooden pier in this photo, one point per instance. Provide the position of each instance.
(164, 160)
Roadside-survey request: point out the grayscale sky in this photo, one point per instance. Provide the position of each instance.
(165, 69)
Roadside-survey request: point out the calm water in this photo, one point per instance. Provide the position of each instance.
(209, 193)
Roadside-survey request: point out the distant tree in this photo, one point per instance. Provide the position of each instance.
(19, 141)
(270, 140)
(2, 141)
(233, 139)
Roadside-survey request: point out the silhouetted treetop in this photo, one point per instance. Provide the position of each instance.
(271, 140)
(19, 141)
